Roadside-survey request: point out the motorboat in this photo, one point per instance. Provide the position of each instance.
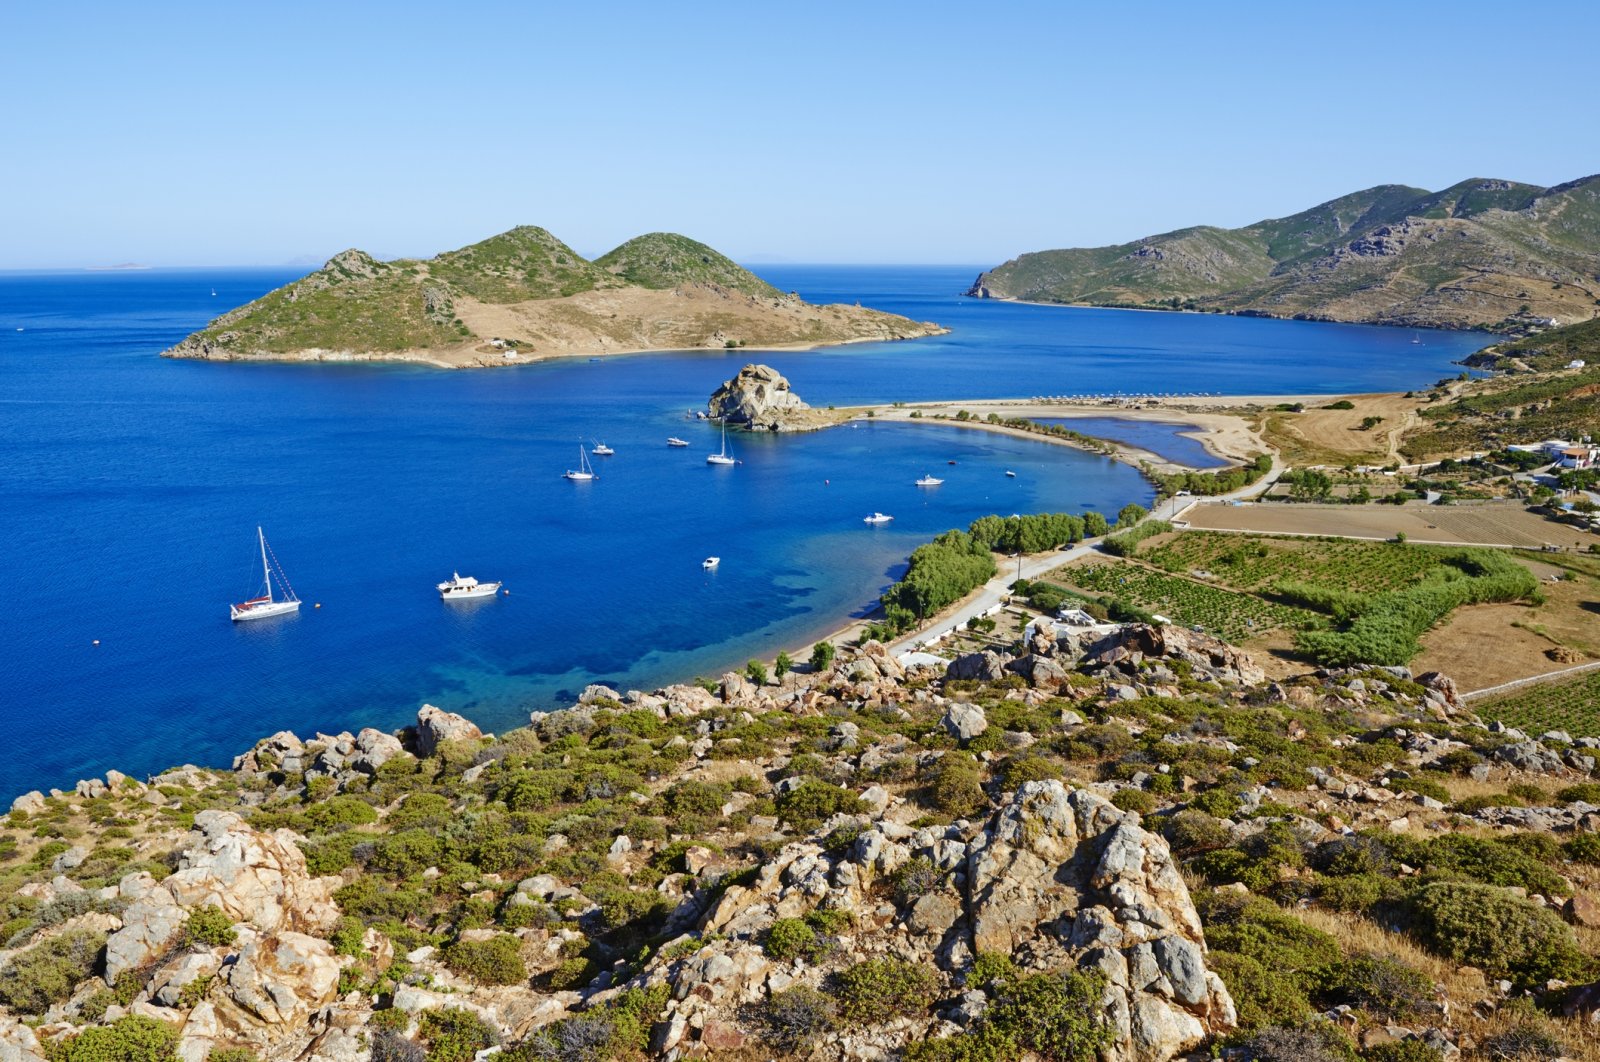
(466, 588)
(673, 440)
(710, 563)
(602, 450)
(266, 605)
(929, 481)
(879, 518)
(1010, 474)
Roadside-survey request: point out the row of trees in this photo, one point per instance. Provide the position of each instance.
(1223, 481)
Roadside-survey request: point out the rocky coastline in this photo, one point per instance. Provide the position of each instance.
(858, 860)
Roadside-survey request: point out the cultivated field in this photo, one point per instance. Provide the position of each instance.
(1473, 525)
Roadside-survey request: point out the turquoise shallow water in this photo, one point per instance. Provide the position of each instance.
(130, 488)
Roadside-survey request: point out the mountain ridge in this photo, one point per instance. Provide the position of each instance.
(1482, 253)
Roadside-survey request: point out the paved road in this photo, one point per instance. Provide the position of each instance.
(1033, 566)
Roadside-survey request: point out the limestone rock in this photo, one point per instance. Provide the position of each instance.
(758, 398)
(1064, 878)
(280, 979)
(964, 721)
(29, 803)
(435, 726)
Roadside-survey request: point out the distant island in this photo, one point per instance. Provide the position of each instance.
(523, 296)
(1489, 254)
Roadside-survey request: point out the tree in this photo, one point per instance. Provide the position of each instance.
(757, 671)
(1131, 514)
(822, 656)
(783, 664)
(1094, 525)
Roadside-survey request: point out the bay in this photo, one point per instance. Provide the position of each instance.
(131, 486)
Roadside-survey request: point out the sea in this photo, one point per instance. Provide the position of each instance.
(131, 488)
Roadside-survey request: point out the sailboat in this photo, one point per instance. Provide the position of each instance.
(722, 457)
(585, 471)
(266, 606)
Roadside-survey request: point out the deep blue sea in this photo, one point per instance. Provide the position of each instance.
(131, 487)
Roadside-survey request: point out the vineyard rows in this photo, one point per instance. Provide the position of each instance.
(1229, 615)
(1259, 563)
(1573, 706)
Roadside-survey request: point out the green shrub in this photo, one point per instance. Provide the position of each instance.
(1357, 892)
(454, 1034)
(915, 878)
(1583, 848)
(1403, 1051)
(1421, 786)
(793, 1019)
(496, 961)
(1318, 1041)
(210, 926)
(134, 1038)
(48, 972)
(1134, 800)
(793, 938)
(571, 974)
(1584, 792)
(1382, 985)
(877, 989)
(1218, 803)
(822, 656)
(1055, 1015)
(813, 802)
(1497, 931)
(232, 1054)
(1271, 961)
(955, 785)
(1191, 831)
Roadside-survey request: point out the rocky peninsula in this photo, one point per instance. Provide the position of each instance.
(525, 296)
(759, 399)
(1121, 842)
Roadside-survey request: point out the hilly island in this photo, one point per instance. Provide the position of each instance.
(524, 295)
(1483, 253)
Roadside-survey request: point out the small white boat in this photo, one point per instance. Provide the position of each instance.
(878, 518)
(602, 450)
(929, 481)
(1010, 474)
(723, 457)
(266, 606)
(710, 562)
(584, 471)
(457, 588)
(673, 440)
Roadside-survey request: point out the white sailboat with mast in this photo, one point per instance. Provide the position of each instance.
(585, 471)
(723, 457)
(266, 605)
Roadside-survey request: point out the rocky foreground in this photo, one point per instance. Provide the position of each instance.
(1127, 846)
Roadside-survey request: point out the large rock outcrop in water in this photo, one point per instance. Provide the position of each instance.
(759, 398)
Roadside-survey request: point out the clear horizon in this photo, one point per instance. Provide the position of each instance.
(223, 137)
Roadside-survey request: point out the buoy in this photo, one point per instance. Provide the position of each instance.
(506, 592)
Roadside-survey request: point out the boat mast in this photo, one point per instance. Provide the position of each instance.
(266, 572)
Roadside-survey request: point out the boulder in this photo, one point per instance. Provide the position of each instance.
(964, 721)
(279, 980)
(29, 803)
(758, 398)
(987, 666)
(436, 726)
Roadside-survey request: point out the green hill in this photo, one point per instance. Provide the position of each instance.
(1481, 253)
(525, 294)
(666, 260)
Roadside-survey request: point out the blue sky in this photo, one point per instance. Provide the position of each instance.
(221, 133)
